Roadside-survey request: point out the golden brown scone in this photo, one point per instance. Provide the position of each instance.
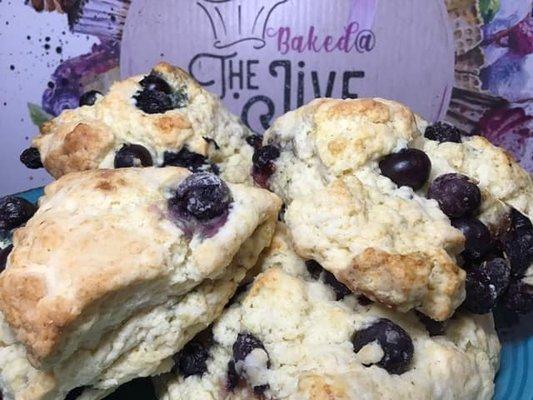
(117, 270)
(187, 119)
(380, 238)
(290, 337)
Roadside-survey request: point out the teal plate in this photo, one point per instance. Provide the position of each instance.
(515, 377)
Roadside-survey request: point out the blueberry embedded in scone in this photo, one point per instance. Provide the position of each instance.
(288, 337)
(391, 206)
(103, 285)
(162, 118)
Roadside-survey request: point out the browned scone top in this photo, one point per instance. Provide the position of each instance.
(103, 246)
(385, 240)
(88, 137)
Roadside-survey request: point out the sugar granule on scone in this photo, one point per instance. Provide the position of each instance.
(392, 206)
(290, 336)
(160, 119)
(117, 270)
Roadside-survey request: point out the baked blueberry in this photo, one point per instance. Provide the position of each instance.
(89, 98)
(259, 390)
(314, 268)
(408, 167)
(185, 158)
(340, 289)
(232, 377)
(153, 101)
(31, 158)
(14, 212)
(192, 359)
(244, 345)
(519, 298)
(263, 163)
(153, 82)
(255, 141)
(249, 354)
(133, 155)
(518, 247)
(478, 239)
(434, 328)
(456, 194)
(203, 196)
(517, 244)
(395, 343)
(4, 253)
(484, 285)
(443, 132)
(519, 222)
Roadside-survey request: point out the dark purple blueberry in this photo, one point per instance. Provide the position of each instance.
(395, 343)
(434, 328)
(153, 102)
(232, 378)
(408, 167)
(4, 253)
(192, 359)
(245, 344)
(518, 248)
(255, 141)
(340, 289)
(31, 158)
(75, 393)
(519, 222)
(263, 164)
(185, 158)
(443, 132)
(314, 268)
(89, 98)
(517, 244)
(133, 155)
(259, 390)
(456, 194)
(155, 83)
(477, 235)
(484, 285)
(203, 196)
(519, 298)
(14, 212)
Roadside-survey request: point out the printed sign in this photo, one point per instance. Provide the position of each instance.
(266, 57)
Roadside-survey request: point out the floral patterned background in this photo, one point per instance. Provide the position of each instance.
(492, 95)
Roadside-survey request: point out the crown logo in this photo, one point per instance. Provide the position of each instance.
(237, 21)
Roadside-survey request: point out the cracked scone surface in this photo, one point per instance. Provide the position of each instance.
(390, 243)
(103, 285)
(307, 334)
(88, 137)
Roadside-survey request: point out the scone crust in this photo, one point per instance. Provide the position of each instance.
(89, 136)
(389, 242)
(78, 254)
(307, 334)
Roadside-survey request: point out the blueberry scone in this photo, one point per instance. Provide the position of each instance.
(160, 119)
(116, 271)
(395, 208)
(296, 333)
